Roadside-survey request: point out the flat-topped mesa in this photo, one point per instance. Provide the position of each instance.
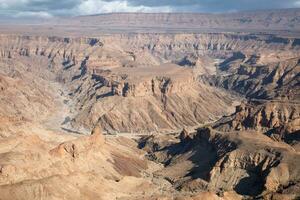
(143, 81)
(155, 86)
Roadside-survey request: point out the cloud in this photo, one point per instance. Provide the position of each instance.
(96, 6)
(297, 3)
(48, 8)
(29, 14)
(217, 5)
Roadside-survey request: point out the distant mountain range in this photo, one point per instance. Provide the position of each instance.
(283, 20)
(286, 19)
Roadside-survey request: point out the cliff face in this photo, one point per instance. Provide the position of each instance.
(258, 115)
(260, 78)
(156, 86)
(139, 82)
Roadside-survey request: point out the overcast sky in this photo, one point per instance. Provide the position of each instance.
(49, 8)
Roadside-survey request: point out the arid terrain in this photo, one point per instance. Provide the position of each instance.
(151, 106)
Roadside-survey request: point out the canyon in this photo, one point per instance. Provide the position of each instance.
(169, 112)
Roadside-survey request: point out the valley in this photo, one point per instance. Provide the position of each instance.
(143, 115)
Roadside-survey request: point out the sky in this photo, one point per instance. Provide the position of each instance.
(52, 8)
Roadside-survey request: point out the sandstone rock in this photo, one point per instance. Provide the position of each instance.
(278, 176)
(96, 131)
(206, 195)
(260, 116)
(69, 149)
(80, 146)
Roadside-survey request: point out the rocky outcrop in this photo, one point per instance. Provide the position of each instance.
(80, 147)
(256, 79)
(155, 86)
(249, 163)
(261, 115)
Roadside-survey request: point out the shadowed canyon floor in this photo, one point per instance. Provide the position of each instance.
(151, 115)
